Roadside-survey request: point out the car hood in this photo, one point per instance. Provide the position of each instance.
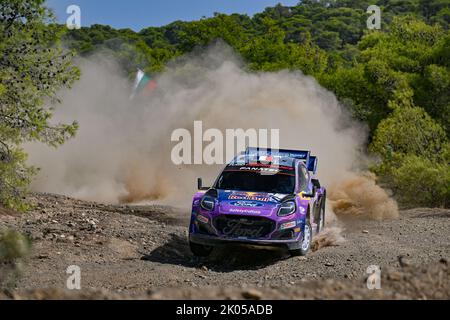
(248, 203)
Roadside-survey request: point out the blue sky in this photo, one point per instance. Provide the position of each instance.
(138, 14)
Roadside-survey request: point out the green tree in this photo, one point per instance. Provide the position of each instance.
(270, 52)
(411, 57)
(33, 67)
(408, 131)
(416, 155)
(421, 182)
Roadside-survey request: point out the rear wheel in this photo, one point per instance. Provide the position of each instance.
(306, 241)
(200, 250)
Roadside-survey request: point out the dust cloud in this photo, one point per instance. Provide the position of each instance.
(360, 196)
(328, 237)
(122, 152)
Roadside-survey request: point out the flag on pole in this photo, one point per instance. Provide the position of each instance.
(143, 83)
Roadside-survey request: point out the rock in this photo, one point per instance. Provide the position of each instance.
(329, 264)
(404, 261)
(36, 235)
(252, 294)
(395, 276)
(92, 225)
(365, 231)
(156, 296)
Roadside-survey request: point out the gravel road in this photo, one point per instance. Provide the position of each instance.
(142, 252)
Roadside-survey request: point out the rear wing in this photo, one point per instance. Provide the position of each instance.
(303, 155)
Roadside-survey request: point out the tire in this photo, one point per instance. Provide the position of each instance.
(199, 250)
(306, 241)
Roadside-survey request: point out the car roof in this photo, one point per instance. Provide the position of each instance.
(245, 159)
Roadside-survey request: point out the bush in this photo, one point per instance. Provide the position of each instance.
(422, 182)
(415, 154)
(15, 177)
(13, 245)
(409, 131)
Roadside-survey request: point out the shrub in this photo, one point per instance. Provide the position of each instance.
(422, 182)
(415, 156)
(409, 131)
(13, 245)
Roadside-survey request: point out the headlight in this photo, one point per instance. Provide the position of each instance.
(287, 208)
(207, 203)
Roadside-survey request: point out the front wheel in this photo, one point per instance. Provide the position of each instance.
(200, 250)
(306, 241)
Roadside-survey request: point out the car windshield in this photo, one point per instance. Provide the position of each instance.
(256, 182)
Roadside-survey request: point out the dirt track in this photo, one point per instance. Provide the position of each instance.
(126, 251)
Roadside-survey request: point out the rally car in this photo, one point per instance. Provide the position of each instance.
(262, 197)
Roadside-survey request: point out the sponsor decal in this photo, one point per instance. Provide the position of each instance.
(246, 204)
(260, 169)
(288, 225)
(270, 166)
(202, 218)
(245, 211)
(248, 197)
(266, 159)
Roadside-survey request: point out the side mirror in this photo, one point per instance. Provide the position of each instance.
(200, 185)
(315, 183)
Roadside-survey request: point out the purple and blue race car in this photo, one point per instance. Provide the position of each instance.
(262, 197)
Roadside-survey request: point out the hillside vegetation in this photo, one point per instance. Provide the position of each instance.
(397, 79)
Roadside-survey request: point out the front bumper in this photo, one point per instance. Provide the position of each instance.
(209, 240)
